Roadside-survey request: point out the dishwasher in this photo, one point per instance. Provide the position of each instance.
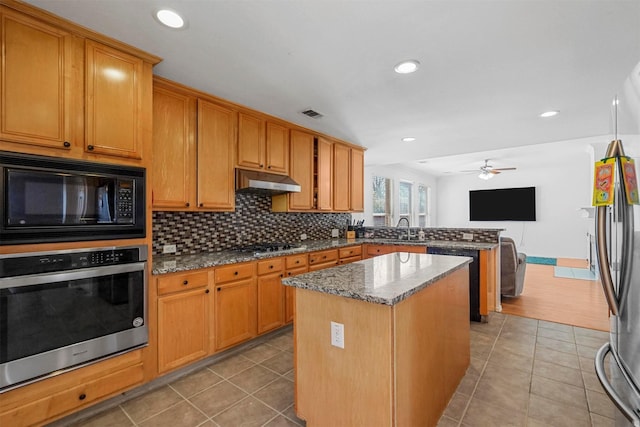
(474, 277)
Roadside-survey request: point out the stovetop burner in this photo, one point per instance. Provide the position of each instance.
(271, 247)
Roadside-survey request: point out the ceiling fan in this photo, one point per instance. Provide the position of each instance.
(487, 171)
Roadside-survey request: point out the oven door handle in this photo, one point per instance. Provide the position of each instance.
(84, 273)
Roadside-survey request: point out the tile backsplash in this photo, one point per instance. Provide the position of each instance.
(252, 222)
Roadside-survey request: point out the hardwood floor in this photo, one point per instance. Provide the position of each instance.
(569, 301)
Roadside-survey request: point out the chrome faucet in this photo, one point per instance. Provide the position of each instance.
(408, 227)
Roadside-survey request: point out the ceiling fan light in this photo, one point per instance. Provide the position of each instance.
(485, 175)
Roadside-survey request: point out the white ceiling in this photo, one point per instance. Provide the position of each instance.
(488, 68)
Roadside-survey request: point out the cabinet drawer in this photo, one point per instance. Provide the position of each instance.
(296, 261)
(322, 257)
(182, 282)
(351, 251)
(234, 272)
(73, 398)
(270, 266)
(323, 265)
(378, 250)
(350, 259)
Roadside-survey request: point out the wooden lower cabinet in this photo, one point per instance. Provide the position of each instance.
(270, 294)
(235, 308)
(294, 264)
(323, 259)
(70, 392)
(349, 254)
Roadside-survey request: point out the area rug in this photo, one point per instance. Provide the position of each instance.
(541, 260)
(574, 273)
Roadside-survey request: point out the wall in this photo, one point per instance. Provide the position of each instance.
(563, 186)
(252, 222)
(396, 173)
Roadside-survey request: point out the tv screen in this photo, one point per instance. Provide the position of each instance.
(504, 204)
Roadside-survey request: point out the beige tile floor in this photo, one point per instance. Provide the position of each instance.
(523, 372)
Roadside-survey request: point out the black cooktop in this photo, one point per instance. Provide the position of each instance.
(270, 247)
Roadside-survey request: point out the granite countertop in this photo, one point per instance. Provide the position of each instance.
(163, 264)
(386, 279)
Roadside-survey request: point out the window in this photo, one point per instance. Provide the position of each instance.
(381, 201)
(423, 205)
(404, 199)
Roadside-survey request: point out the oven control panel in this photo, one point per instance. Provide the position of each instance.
(46, 262)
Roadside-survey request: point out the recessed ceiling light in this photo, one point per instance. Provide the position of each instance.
(408, 139)
(549, 113)
(406, 67)
(170, 18)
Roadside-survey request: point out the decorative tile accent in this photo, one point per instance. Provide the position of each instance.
(252, 222)
(480, 235)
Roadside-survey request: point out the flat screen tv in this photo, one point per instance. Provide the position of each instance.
(503, 204)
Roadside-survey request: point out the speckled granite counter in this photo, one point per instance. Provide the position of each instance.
(163, 264)
(386, 279)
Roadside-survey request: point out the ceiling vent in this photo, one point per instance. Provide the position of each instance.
(313, 114)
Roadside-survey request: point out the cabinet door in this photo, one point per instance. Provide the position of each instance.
(357, 180)
(39, 81)
(270, 302)
(183, 328)
(301, 170)
(114, 102)
(341, 177)
(174, 151)
(324, 177)
(235, 313)
(251, 146)
(216, 131)
(290, 294)
(277, 148)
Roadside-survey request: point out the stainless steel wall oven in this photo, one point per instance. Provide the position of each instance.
(61, 309)
(47, 199)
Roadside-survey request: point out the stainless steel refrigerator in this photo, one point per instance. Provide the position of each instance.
(617, 362)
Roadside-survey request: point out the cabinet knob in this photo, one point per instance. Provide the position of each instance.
(82, 396)
(202, 205)
(185, 283)
(90, 147)
(219, 289)
(271, 267)
(235, 273)
(269, 167)
(298, 262)
(324, 257)
(261, 165)
(289, 273)
(67, 144)
(207, 291)
(187, 204)
(282, 275)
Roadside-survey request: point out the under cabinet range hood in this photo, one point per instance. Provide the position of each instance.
(264, 183)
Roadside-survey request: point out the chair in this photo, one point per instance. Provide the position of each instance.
(512, 268)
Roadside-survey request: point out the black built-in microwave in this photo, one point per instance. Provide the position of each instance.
(50, 199)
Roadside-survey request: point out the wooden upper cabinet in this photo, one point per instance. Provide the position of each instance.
(341, 177)
(216, 178)
(262, 145)
(174, 149)
(277, 148)
(41, 96)
(114, 103)
(324, 175)
(301, 170)
(251, 142)
(357, 180)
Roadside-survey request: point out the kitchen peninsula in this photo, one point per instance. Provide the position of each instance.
(381, 342)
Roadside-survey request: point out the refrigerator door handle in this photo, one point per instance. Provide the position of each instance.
(608, 388)
(603, 259)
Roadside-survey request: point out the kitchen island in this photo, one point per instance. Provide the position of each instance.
(381, 342)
